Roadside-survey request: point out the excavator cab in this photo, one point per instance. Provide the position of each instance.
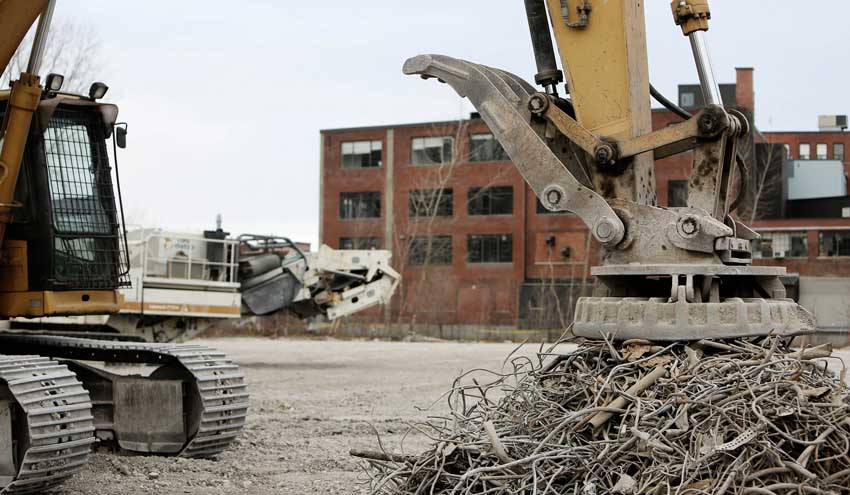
(64, 252)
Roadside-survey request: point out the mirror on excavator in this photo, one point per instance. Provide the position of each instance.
(121, 135)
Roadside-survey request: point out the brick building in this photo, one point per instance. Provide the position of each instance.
(476, 248)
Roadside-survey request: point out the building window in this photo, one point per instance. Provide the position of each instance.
(359, 243)
(490, 248)
(677, 193)
(431, 250)
(805, 151)
(835, 243)
(781, 245)
(491, 200)
(542, 210)
(787, 150)
(361, 154)
(820, 151)
(432, 150)
(838, 151)
(687, 100)
(359, 205)
(486, 148)
(431, 203)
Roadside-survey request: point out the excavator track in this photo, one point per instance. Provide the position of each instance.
(215, 384)
(57, 422)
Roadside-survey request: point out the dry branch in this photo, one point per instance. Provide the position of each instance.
(745, 417)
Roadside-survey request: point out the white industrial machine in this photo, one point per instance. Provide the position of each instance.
(184, 282)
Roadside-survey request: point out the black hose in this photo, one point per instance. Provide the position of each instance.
(669, 105)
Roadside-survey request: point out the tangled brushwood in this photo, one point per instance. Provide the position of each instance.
(712, 417)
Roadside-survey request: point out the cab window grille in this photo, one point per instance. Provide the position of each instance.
(87, 245)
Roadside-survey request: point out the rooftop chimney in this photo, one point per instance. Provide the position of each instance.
(745, 96)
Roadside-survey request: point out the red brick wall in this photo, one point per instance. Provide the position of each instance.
(487, 294)
(463, 293)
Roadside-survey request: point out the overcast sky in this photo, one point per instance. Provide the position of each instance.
(225, 99)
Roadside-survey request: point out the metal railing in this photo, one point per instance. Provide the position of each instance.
(144, 247)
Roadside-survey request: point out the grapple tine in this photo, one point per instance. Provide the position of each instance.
(502, 102)
(521, 87)
(508, 90)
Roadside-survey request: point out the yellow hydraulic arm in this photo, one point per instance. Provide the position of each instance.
(16, 18)
(603, 49)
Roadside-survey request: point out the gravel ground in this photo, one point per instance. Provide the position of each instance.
(311, 401)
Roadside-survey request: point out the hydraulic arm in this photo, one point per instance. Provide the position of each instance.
(667, 273)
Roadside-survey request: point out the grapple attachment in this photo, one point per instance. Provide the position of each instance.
(668, 274)
(504, 102)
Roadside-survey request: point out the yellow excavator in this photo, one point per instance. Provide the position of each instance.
(667, 274)
(62, 252)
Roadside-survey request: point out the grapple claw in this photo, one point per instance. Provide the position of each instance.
(502, 100)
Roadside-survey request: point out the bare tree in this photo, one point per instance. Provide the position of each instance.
(417, 244)
(765, 178)
(72, 49)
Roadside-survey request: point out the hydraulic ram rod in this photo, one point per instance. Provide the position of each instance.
(548, 74)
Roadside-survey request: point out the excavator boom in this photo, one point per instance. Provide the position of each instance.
(16, 19)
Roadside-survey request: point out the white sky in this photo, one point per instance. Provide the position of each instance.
(225, 99)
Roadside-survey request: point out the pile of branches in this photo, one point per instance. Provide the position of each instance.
(708, 417)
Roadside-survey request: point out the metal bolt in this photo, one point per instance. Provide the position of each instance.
(553, 196)
(689, 226)
(707, 123)
(604, 230)
(538, 103)
(604, 154)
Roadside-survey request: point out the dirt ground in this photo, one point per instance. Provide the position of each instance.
(311, 401)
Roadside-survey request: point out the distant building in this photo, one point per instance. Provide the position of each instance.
(476, 248)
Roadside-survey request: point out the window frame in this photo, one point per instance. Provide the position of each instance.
(677, 182)
(474, 154)
(845, 233)
(475, 194)
(436, 206)
(818, 154)
(361, 198)
(431, 260)
(360, 243)
(372, 149)
(835, 154)
(482, 250)
(758, 249)
(804, 156)
(444, 159)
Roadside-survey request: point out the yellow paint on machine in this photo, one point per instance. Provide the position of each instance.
(67, 303)
(181, 309)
